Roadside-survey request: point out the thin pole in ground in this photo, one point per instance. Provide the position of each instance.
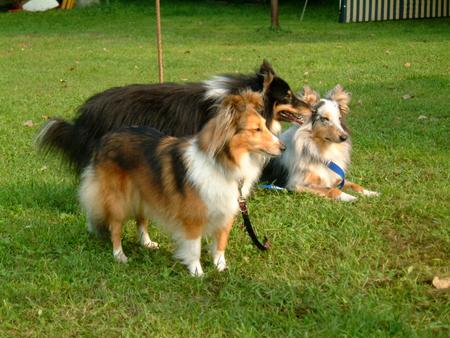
(274, 15)
(159, 42)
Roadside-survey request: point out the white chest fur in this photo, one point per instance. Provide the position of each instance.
(217, 187)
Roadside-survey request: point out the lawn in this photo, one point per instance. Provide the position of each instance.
(361, 269)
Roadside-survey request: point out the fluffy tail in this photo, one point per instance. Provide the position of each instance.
(59, 136)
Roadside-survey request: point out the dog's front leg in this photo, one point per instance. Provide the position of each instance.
(189, 248)
(332, 193)
(219, 245)
(188, 252)
(359, 189)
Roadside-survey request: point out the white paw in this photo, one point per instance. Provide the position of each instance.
(195, 269)
(346, 197)
(150, 245)
(120, 256)
(219, 261)
(370, 193)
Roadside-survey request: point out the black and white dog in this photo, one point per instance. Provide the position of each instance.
(174, 109)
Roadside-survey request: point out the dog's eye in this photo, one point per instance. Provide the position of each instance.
(258, 129)
(324, 119)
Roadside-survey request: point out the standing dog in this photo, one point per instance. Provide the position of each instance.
(188, 185)
(318, 153)
(174, 109)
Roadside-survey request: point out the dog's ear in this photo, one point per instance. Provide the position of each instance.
(266, 68)
(310, 96)
(342, 97)
(267, 72)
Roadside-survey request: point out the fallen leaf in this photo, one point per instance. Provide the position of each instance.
(45, 117)
(441, 283)
(407, 65)
(407, 96)
(422, 117)
(306, 73)
(388, 52)
(43, 168)
(28, 123)
(360, 103)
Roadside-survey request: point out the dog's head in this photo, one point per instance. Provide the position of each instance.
(239, 129)
(280, 103)
(328, 120)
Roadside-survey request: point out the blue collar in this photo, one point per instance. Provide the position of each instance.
(338, 170)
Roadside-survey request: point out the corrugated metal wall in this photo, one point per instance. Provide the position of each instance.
(375, 10)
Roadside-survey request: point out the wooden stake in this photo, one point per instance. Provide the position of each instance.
(159, 42)
(275, 23)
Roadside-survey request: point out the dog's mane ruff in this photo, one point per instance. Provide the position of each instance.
(215, 135)
(342, 98)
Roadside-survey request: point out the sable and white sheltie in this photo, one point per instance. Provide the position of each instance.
(174, 109)
(189, 186)
(318, 153)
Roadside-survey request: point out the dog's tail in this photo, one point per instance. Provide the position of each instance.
(62, 137)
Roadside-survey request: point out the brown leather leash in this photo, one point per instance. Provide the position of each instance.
(248, 225)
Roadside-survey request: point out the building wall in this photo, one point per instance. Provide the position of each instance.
(376, 10)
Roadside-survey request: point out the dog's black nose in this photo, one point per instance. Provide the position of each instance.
(343, 137)
(282, 146)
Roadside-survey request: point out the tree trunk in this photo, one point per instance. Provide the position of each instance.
(275, 24)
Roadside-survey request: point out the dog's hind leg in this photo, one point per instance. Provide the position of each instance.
(116, 239)
(144, 238)
(359, 189)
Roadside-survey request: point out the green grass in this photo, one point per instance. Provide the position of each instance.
(335, 269)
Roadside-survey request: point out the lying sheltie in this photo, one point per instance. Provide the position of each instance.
(174, 109)
(187, 185)
(318, 153)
